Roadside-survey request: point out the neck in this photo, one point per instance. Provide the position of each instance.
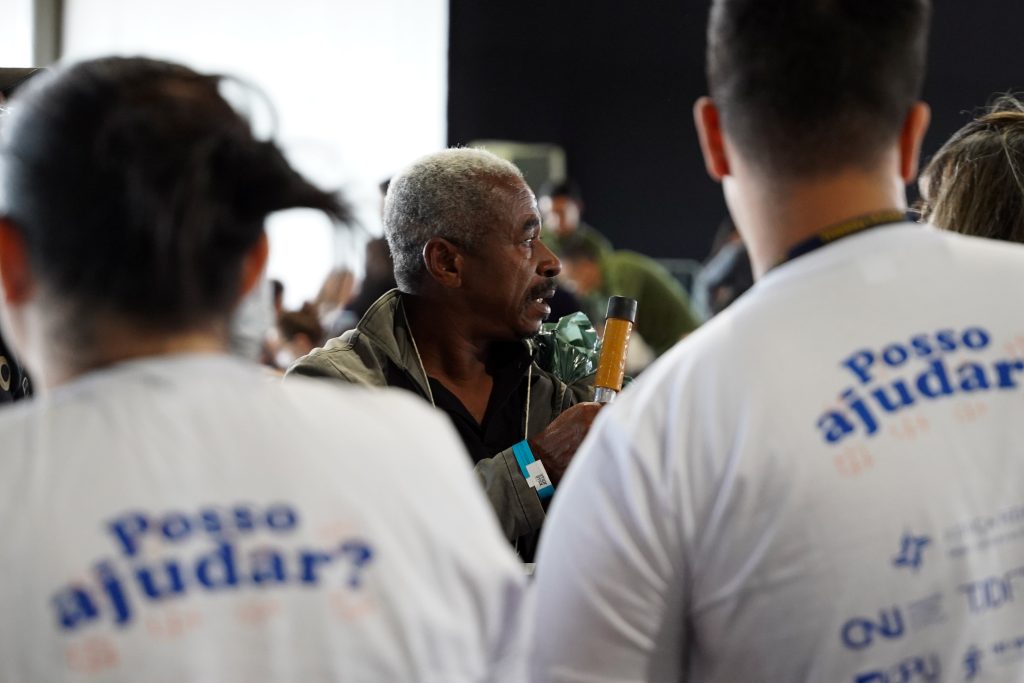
(116, 342)
(447, 348)
(774, 217)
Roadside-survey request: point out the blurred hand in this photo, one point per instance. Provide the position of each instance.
(556, 445)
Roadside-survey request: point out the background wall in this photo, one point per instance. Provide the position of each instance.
(358, 89)
(361, 88)
(16, 41)
(614, 84)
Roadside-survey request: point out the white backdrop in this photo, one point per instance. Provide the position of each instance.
(359, 88)
(16, 34)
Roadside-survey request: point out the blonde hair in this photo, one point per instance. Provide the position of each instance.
(975, 183)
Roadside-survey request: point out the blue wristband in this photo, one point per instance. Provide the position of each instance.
(538, 477)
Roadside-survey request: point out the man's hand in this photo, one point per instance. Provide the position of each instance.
(556, 445)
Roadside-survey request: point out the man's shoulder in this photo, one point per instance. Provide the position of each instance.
(349, 357)
(373, 403)
(358, 355)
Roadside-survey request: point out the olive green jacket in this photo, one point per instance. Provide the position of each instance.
(380, 344)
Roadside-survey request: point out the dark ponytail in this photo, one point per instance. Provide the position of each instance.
(139, 189)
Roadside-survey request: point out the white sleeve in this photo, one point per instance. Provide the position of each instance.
(609, 602)
(461, 522)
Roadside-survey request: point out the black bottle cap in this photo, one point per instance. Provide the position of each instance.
(622, 308)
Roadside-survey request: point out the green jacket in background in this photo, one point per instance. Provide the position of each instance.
(584, 233)
(381, 344)
(663, 312)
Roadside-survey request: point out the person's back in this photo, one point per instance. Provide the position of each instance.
(186, 518)
(820, 484)
(817, 515)
(172, 512)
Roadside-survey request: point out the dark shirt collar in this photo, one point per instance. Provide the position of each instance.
(505, 417)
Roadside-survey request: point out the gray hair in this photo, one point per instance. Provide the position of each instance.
(449, 194)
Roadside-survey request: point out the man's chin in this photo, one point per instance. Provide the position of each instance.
(529, 329)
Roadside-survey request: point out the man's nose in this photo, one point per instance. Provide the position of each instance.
(548, 265)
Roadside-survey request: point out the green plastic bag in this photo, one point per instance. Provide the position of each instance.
(568, 349)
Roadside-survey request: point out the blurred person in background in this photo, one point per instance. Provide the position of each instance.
(474, 277)
(663, 311)
(975, 183)
(168, 512)
(277, 289)
(379, 278)
(561, 205)
(333, 299)
(14, 381)
(726, 274)
(300, 332)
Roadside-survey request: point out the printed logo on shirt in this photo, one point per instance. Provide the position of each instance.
(991, 593)
(984, 531)
(1005, 652)
(245, 547)
(930, 367)
(925, 667)
(911, 553)
(892, 623)
(972, 663)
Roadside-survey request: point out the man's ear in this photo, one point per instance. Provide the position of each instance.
(709, 132)
(444, 262)
(914, 128)
(16, 281)
(253, 263)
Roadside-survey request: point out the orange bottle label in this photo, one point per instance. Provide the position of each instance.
(611, 366)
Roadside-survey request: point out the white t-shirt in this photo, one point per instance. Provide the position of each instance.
(190, 519)
(762, 506)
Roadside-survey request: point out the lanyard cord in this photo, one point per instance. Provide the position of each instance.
(837, 231)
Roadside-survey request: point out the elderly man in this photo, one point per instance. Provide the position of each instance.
(823, 482)
(473, 280)
(168, 512)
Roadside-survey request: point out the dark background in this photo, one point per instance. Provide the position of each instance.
(613, 83)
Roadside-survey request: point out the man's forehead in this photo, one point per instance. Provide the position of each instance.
(514, 194)
(509, 187)
(512, 207)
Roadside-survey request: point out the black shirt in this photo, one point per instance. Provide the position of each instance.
(505, 418)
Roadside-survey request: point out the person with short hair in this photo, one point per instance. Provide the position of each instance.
(474, 278)
(300, 332)
(975, 183)
(820, 483)
(168, 511)
(561, 205)
(664, 315)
